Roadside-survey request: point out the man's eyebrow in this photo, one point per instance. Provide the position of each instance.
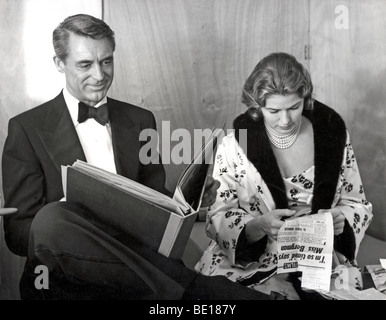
(85, 61)
(108, 58)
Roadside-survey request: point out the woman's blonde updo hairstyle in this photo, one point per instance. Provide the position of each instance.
(278, 73)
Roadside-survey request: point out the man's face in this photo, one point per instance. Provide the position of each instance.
(89, 68)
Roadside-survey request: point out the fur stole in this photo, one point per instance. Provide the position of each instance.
(329, 140)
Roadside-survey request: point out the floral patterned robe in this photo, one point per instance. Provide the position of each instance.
(251, 185)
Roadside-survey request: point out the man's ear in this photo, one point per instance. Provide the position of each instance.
(59, 64)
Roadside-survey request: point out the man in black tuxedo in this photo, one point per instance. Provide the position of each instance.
(88, 260)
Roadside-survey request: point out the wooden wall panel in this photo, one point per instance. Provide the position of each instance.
(28, 77)
(348, 68)
(187, 60)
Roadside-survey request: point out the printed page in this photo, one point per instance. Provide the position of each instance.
(306, 244)
(134, 188)
(64, 179)
(191, 184)
(369, 294)
(378, 275)
(355, 294)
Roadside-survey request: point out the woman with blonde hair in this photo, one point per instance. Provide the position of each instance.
(298, 159)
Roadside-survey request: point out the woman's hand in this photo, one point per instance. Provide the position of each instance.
(210, 192)
(268, 224)
(337, 218)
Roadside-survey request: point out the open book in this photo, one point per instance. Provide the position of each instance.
(189, 189)
(143, 214)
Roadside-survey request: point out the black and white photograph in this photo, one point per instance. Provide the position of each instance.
(191, 156)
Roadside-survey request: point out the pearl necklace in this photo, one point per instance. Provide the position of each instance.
(283, 141)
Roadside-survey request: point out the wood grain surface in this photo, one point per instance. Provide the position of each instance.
(187, 60)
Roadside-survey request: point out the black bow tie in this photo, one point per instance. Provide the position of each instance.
(100, 114)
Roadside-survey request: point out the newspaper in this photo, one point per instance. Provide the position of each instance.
(378, 275)
(306, 244)
(355, 294)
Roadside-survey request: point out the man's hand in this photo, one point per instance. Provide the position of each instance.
(210, 192)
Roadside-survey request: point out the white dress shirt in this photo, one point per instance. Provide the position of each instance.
(95, 139)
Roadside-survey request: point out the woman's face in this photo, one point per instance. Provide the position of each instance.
(283, 113)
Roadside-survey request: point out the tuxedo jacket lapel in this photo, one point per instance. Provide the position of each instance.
(59, 136)
(125, 140)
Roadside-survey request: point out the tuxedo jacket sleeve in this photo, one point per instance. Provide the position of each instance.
(28, 181)
(43, 139)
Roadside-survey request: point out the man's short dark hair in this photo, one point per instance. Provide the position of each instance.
(82, 25)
